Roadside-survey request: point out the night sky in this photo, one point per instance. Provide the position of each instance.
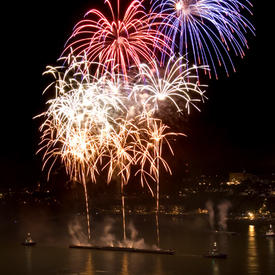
(233, 131)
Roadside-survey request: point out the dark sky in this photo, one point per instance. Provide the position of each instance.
(233, 131)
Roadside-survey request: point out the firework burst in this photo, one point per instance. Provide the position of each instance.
(80, 121)
(80, 118)
(90, 119)
(206, 29)
(118, 43)
(173, 84)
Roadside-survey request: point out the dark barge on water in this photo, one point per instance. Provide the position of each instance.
(125, 249)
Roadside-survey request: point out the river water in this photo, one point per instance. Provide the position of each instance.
(249, 252)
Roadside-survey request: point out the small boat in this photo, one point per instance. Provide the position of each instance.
(29, 241)
(214, 253)
(270, 232)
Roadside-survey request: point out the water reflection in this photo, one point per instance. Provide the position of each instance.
(271, 246)
(158, 267)
(109, 262)
(223, 243)
(124, 264)
(89, 270)
(271, 251)
(102, 262)
(28, 253)
(215, 268)
(253, 266)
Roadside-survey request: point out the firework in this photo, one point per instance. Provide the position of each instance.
(206, 29)
(89, 126)
(176, 83)
(172, 85)
(112, 88)
(118, 43)
(79, 121)
(155, 135)
(80, 118)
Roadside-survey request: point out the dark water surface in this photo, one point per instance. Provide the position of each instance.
(248, 253)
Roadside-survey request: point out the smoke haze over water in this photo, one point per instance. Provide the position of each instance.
(223, 209)
(211, 213)
(107, 234)
(223, 213)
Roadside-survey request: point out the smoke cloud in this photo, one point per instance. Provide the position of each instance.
(106, 237)
(77, 233)
(222, 208)
(223, 212)
(211, 213)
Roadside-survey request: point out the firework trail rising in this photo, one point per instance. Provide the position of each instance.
(206, 29)
(157, 135)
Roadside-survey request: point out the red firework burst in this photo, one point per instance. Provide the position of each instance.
(118, 44)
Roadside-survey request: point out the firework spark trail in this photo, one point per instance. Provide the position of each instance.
(118, 43)
(138, 143)
(155, 86)
(209, 27)
(157, 135)
(121, 159)
(141, 146)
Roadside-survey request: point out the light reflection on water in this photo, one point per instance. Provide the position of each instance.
(271, 251)
(253, 266)
(215, 267)
(124, 268)
(125, 263)
(271, 247)
(89, 266)
(248, 253)
(158, 267)
(28, 253)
